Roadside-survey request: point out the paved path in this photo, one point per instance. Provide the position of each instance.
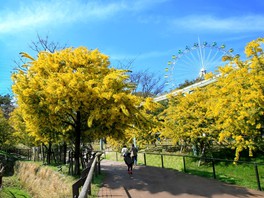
(152, 182)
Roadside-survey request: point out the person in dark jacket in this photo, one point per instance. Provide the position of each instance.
(134, 152)
(129, 162)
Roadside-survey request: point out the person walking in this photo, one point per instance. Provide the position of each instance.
(124, 151)
(127, 158)
(129, 162)
(134, 152)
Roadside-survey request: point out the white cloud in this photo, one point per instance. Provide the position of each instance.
(56, 12)
(51, 13)
(233, 24)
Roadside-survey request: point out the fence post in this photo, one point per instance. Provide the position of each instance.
(99, 164)
(145, 161)
(162, 162)
(96, 169)
(89, 189)
(184, 168)
(1, 175)
(213, 164)
(257, 176)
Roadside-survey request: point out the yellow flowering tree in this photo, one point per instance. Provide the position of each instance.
(239, 101)
(145, 131)
(17, 122)
(230, 111)
(148, 133)
(186, 120)
(75, 91)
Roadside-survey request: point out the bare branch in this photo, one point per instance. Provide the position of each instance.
(43, 44)
(147, 84)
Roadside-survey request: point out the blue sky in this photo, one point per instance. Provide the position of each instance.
(148, 32)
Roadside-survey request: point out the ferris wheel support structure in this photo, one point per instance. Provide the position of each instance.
(187, 89)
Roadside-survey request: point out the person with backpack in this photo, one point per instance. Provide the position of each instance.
(127, 158)
(129, 162)
(134, 152)
(124, 151)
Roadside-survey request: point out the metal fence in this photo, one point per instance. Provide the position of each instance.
(243, 173)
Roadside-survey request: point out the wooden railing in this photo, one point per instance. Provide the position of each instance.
(93, 169)
(1, 174)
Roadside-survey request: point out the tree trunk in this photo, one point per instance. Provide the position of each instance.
(202, 152)
(77, 143)
(42, 152)
(64, 152)
(49, 153)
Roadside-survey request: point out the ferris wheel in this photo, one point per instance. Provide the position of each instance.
(194, 62)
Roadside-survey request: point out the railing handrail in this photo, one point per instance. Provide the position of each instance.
(202, 157)
(85, 189)
(197, 157)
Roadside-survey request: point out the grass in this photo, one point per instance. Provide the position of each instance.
(96, 185)
(35, 179)
(241, 174)
(113, 156)
(96, 182)
(12, 188)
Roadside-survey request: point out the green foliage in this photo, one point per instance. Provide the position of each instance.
(6, 138)
(6, 104)
(189, 82)
(12, 188)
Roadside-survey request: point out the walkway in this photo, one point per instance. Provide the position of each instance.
(152, 182)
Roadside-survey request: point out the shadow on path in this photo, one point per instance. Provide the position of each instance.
(157, 182)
